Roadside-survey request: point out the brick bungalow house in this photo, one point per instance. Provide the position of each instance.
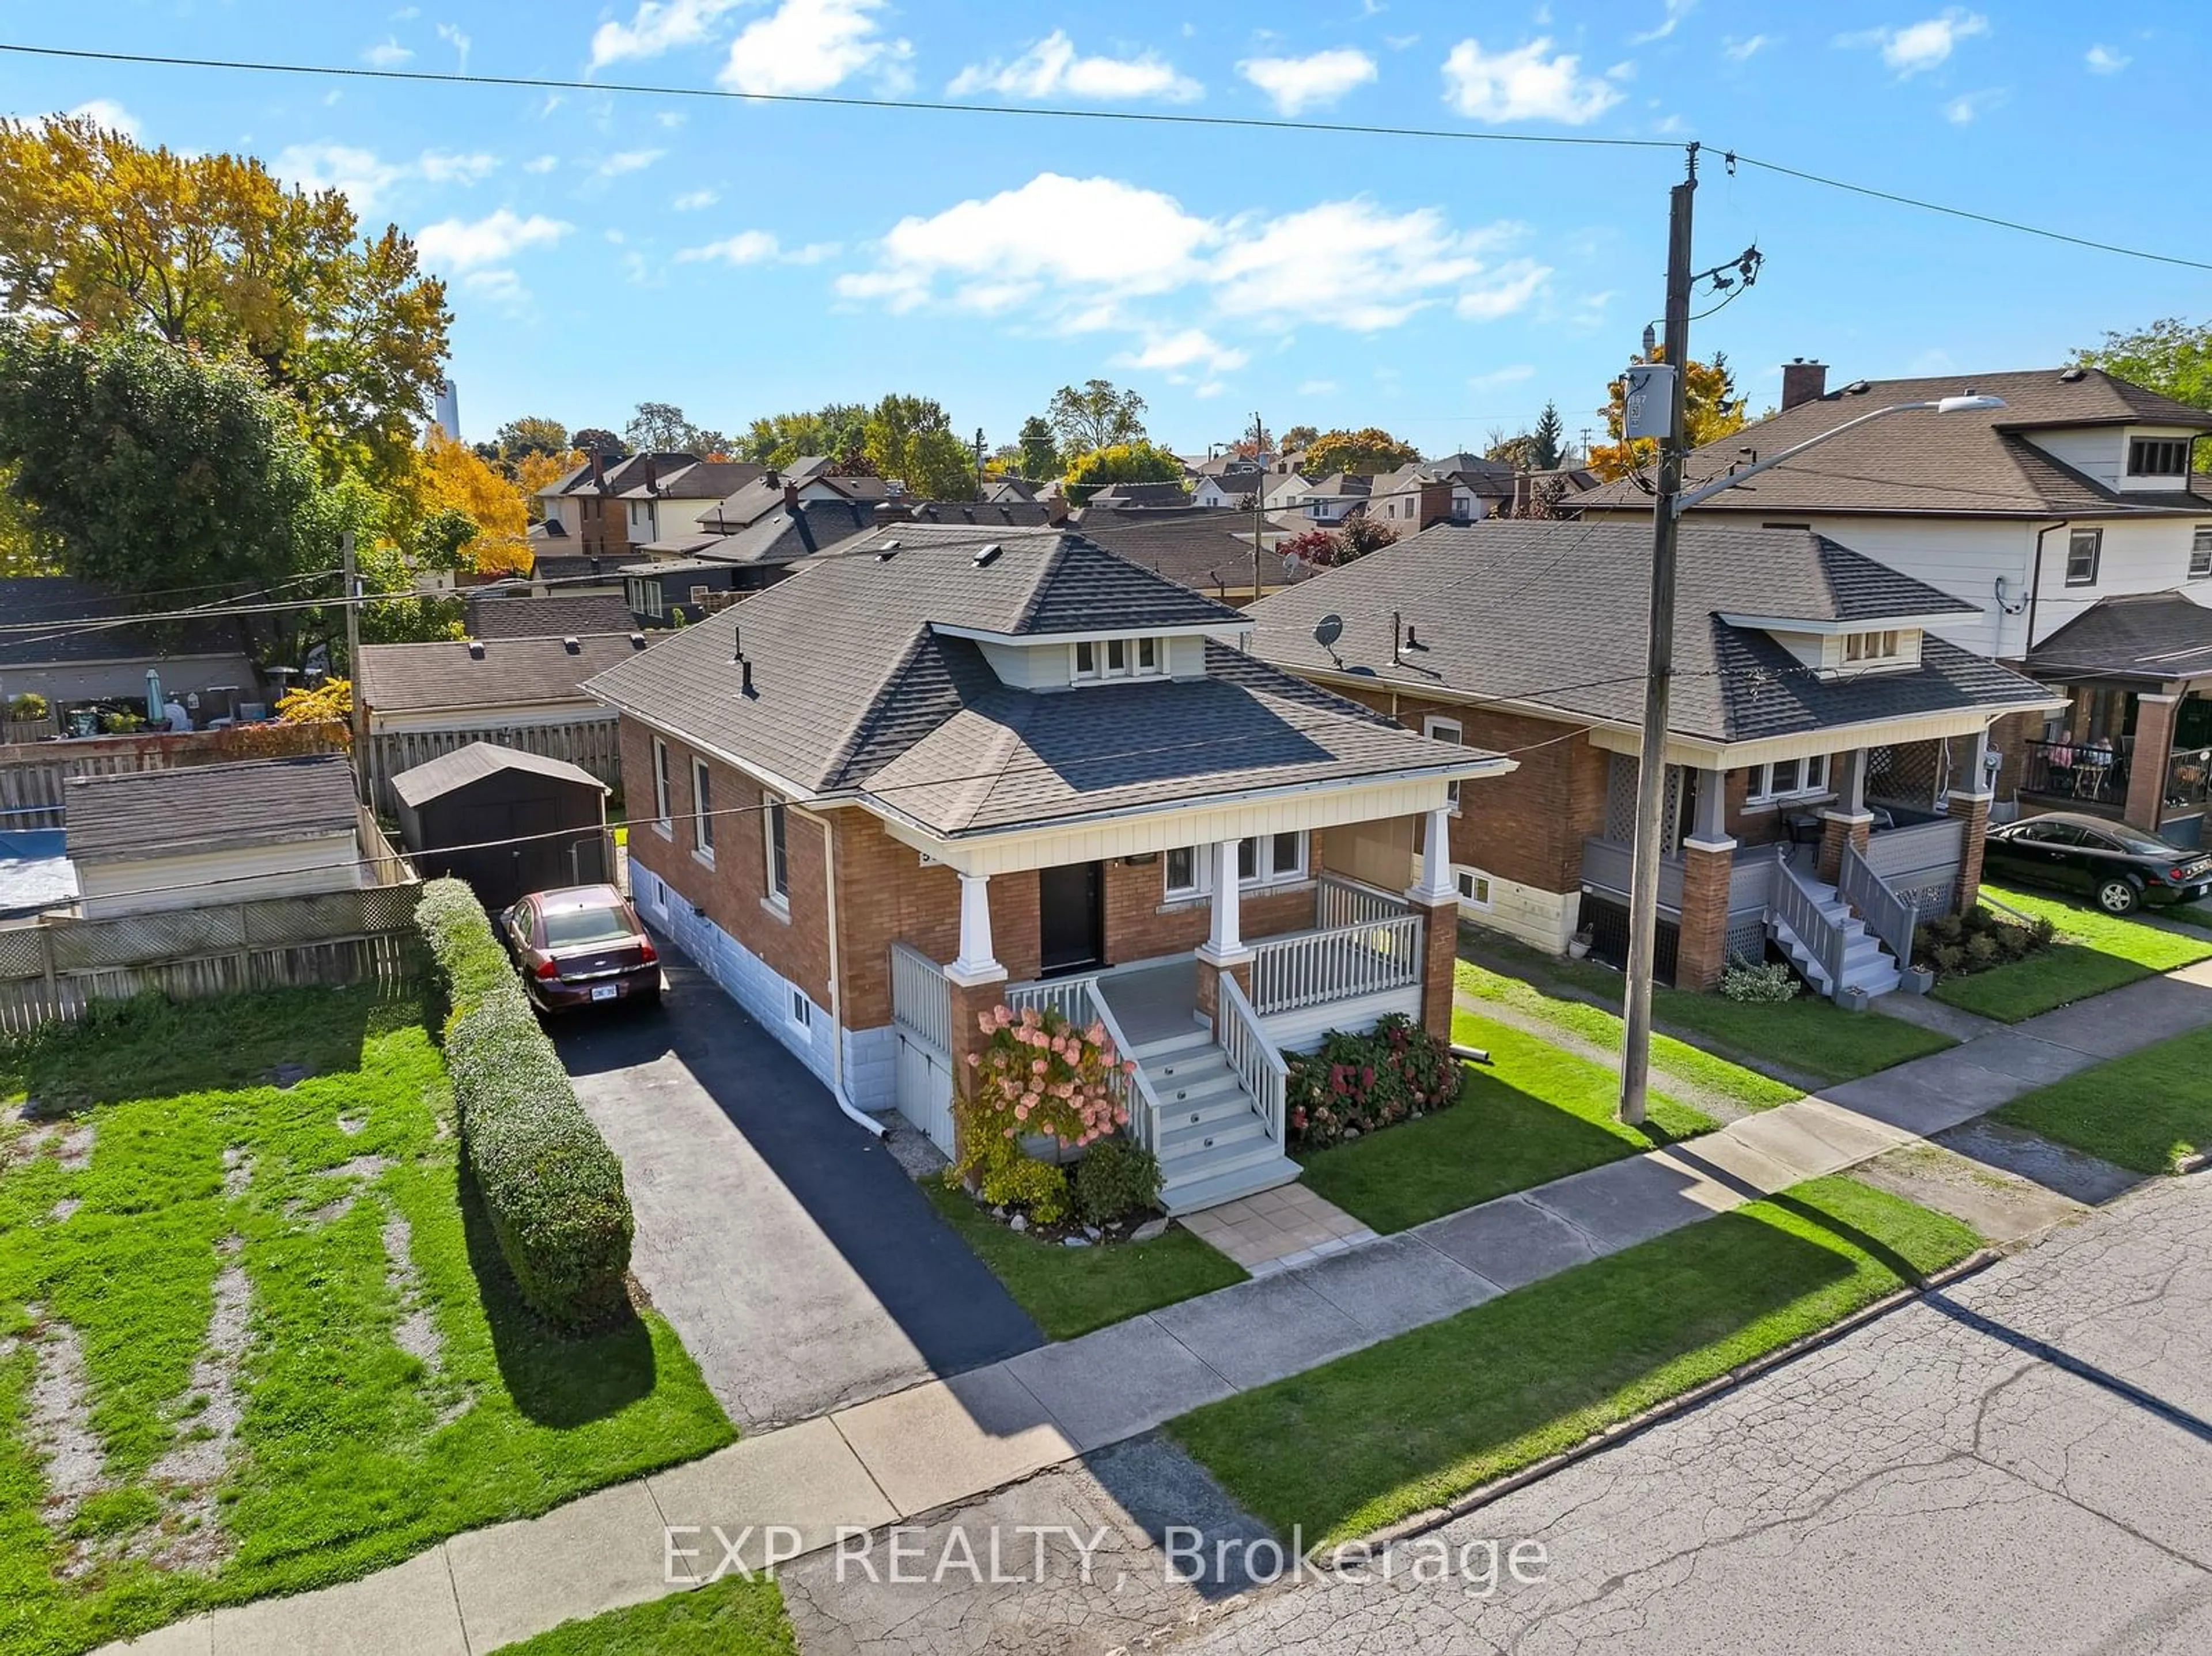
(2072, 527)
(970, 767)
(1825, 759)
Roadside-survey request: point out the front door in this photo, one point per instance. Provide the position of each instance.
(1071, 924)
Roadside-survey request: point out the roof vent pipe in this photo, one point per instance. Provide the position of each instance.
(987, 556)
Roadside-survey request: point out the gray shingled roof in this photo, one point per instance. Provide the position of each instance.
(2147, 636)
(1203, 548)
(1160, 496)
(140, 813)
(56, 605)
(1926, 463)
(565, 616)
(1553, 614)
(855, 689)
(512, 672)
(435, 778)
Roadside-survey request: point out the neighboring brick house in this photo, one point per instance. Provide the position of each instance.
(606, 506)
(905, 785)
(1822, 735)
(2071, 526)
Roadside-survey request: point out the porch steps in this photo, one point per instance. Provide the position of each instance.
(1214, 1147)
(1868, 966)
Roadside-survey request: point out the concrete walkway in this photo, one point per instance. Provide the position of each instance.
(898, 1457)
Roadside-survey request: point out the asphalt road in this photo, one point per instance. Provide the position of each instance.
(2022, 1464)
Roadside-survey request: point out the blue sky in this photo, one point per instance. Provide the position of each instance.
(740, 258)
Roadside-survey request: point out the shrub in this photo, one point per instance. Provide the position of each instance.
(29, 706)
(1982, 951)
(1356, 1083)
(2043, 930)
(1758, 982)
(1947, 928)
(1947, 958)
(551, 1187)
(1116, 1177)
(1041, 1076)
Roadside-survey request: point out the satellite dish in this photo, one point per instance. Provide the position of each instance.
(1327, 630)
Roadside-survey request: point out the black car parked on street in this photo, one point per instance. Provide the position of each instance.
(2117, 866)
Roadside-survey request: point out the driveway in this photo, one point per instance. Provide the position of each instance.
(800, 1265)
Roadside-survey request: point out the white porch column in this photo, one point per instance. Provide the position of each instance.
(1224, 944)
(1435, 885)
(976, 963)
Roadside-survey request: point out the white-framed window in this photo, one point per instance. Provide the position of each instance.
(1438, 728)
(2158, 457)
(1787, 779)
(1137, 657)
(660, 817)
(1262, 860)
(802, 1010)
(1473, 887)
(2085, 549)
(2200, 553)
(775, 850)
(1865, 649)
(702, 812)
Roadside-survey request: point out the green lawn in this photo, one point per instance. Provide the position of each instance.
(729, 1617)
(302, 1357)
(2145, 1111)
(2095, 952)
(1421, 1419)
(1809, 1036)
(1073, 1290)
(1595, 1024)
(1533, 1113)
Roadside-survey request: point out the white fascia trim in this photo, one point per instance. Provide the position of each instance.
(793, 793)
(1095, 635)
(1835, 739)
(1845, 628)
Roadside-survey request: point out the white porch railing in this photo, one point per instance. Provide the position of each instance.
(1082, 1003)
(1889, 916)
(1339, 901)
(921, 999)
(1309, 968)
(1069, 996)
(1252, 1056)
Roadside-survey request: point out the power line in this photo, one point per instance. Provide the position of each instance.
(1052, 112)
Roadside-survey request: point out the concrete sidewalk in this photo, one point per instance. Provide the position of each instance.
(898, 1457)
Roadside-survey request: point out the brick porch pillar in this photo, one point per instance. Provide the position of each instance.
(2154, 718)
(1972, 812)
(1701, 937)
(1437, 901)
(1839, 829)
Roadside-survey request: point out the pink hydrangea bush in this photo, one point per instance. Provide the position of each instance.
(1039, 1076)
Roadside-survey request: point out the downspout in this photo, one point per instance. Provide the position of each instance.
(2035, 585)
(837, 990)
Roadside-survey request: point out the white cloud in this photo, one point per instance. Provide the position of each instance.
(439, 166)
(1918, 47)
(1737, 52)
(1503, 291)
(1297, 84)
(106, 113)
(755, 247)
(1349, 263)
(2103, 60)
(1962, 111)
(1317, 388)
(541, 163)
(1052, 68)
(811, 46)
(387, 53)
(362, 177)
(1497, 378)
(1676, 11)
(452, 35)
(628, 160)
(500, 285)
(463, 243)
(1523, 85)
(659, 26)
(1191, 348)
(692, 200)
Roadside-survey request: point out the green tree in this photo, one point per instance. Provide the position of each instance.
(101, 235)
(661, 427)
(1547, 443)
(1120, 463)
(1098, 416)
(836, 430)
(911, 439)
(1299, 437)
(598, 440)
(1362, 453)
(26, 546)
(1040, 450)
(532, 433)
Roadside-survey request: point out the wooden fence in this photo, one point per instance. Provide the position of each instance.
(32, 775)
(595, 744)
(51, 968)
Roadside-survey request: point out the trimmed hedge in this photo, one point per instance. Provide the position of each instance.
(551, 1185)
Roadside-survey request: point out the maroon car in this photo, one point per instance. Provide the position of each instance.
(581, 946)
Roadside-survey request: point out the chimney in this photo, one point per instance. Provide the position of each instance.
(1802, 382)
(890, 511)
(791, 494)
(599, 472)
(651, 477)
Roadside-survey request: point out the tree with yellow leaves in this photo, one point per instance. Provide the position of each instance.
(450, 478)
(1712, 410)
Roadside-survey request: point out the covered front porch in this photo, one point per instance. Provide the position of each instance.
(2141, 756)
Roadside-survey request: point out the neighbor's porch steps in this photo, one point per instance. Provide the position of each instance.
(1868, 966)
(1214, 1146)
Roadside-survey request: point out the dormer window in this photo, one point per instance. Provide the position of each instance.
(2158, 457)
(1870, 649)
(1140, 657)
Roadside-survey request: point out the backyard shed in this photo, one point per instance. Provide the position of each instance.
(507, 821)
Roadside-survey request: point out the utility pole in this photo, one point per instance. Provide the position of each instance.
(979, 463)
(353, 664)
(1259, 501)
(1659, 667)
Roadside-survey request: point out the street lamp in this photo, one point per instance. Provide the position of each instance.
(1650, 783)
